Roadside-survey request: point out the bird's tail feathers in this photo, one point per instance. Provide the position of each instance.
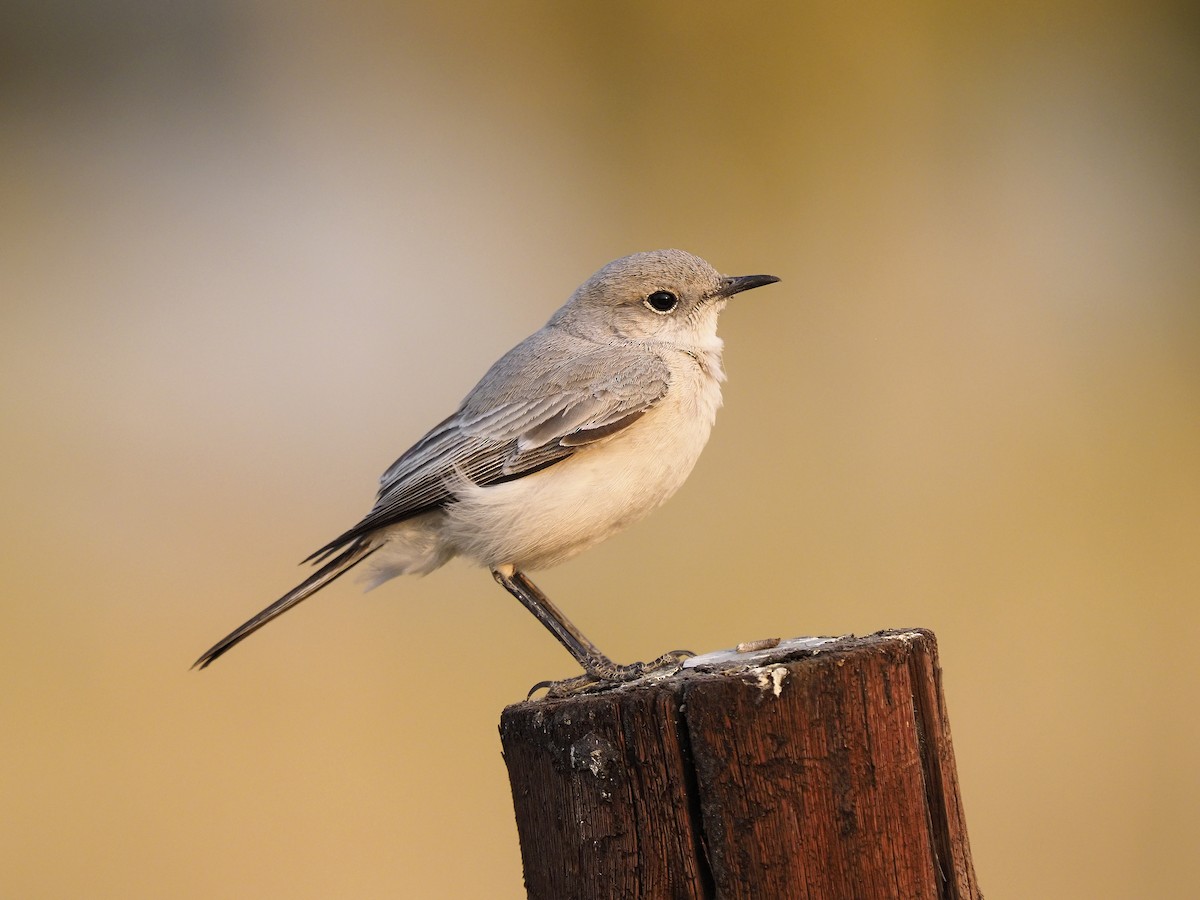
(359, 550)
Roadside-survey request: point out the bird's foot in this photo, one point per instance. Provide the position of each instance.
(601, 677)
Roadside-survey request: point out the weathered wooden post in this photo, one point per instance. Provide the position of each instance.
(818, 768)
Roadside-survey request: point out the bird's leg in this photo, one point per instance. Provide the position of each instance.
(598, 667)
(587, 654)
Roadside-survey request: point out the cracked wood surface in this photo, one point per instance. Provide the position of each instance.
(820, 768)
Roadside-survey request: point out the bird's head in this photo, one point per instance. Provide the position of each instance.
(667, 296)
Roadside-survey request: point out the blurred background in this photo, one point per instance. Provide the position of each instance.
(250, 252)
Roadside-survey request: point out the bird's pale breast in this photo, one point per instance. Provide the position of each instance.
(545, 518)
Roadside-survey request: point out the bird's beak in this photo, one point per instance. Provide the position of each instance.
(735, 284)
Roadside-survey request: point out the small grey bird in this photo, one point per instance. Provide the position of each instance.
(579, 431)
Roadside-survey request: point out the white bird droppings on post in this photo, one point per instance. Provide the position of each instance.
(772, 679)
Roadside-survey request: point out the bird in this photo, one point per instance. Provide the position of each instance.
(579, 431)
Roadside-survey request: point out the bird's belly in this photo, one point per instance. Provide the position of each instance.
(547, 517)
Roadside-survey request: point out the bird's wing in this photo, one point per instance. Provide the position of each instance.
(532, 410)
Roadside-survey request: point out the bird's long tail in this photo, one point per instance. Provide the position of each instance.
(329, 572)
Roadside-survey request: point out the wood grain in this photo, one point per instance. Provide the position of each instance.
(797, 774)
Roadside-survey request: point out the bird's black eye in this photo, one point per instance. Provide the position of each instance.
(662, 301)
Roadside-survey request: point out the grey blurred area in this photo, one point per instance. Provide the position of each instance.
(235, 240)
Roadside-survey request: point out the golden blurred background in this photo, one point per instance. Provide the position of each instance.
(250, 252)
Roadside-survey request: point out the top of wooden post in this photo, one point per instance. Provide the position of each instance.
(813, 767)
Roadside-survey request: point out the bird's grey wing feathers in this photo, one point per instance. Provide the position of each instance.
(537, 406)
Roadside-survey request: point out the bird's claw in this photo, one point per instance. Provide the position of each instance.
(604, 677)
